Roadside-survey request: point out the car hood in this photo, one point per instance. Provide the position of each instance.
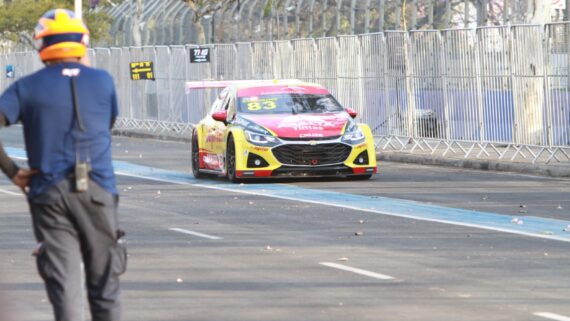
(303, 125)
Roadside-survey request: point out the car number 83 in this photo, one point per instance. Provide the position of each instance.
(266, 104)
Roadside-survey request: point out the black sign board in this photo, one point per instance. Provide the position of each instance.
(199, 55)
(141, 70)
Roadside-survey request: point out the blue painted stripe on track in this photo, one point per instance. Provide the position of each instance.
(533, 226)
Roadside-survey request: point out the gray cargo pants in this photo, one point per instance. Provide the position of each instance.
(72, 228)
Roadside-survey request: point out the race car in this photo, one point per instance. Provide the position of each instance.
(287, 128)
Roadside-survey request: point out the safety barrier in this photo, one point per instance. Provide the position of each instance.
(493, 92)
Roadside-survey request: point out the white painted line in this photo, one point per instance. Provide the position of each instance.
(10, 192)
(552, 316)
(211, 237)
(357, 271)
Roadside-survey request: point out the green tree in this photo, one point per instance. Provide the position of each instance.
(203, 8)
(19, 18)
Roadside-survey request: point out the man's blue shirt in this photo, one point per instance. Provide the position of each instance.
(43, 103)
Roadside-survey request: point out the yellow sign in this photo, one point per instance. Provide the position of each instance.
(141, 70)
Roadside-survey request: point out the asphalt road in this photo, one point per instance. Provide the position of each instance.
(209, 251)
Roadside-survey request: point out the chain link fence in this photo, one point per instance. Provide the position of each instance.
(489, 92)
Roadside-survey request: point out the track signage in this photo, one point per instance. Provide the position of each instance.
(199, 55)
(141, 70)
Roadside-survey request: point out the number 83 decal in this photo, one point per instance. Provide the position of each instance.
(259, 105)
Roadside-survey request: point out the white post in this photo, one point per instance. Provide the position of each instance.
(78, 11)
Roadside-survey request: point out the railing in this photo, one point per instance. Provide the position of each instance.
(492, 92)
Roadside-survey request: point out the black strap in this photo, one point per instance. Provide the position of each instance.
(76, 105)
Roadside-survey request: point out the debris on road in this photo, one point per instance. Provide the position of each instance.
(179, 280)
(343, 259)
(361, 221)
(559, 207)
(359, 233)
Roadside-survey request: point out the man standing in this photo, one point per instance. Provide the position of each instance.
(67, 111)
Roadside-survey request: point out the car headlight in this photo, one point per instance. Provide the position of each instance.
(353, 135)
(261, 139)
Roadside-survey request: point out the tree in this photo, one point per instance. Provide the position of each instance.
(204, 8)
(19, 18)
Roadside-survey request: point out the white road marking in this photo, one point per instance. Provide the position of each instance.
(10, 192)
(552, 316)
(357, 271)
(211, 237)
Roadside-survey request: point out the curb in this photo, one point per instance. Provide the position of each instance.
(134, 134)
(479, 164)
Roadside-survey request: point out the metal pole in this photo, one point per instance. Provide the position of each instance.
(338, 8)
(430, 14)
(381, 11)
(414, 15)
(352, 16)
(466, 13)
(78, 9)
(298, 5)
(324, 17)
(367, 17)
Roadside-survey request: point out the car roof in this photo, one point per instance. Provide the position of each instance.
(269, 83)
(256, 88)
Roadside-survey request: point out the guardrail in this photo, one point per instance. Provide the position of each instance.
(489, 92)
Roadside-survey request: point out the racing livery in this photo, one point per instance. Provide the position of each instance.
(280, 128)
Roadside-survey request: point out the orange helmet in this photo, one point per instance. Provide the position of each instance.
(59, 34)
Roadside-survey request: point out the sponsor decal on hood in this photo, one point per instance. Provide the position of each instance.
(303, 125)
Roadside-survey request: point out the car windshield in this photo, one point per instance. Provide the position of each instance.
(291, 103)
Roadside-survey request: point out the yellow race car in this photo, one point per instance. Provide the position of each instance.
(279, 129)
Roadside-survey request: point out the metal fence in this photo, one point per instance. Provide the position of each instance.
(493, 92)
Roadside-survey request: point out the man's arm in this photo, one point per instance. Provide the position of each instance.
(6, 164)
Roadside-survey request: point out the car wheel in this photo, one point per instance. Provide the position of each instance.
(196, 157)
(360, 177)
(231, 161)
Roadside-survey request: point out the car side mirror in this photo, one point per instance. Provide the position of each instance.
(351, 112)
(220, 116)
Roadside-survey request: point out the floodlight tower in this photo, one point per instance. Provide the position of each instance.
(78, 10)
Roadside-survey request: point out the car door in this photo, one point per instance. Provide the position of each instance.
(215, 134)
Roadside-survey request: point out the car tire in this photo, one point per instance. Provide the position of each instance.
(360, 177)
(231, 161)
(196, 156)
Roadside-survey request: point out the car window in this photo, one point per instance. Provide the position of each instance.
(289, 103)
(219, 104)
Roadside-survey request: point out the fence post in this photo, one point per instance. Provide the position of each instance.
(411, 120)
(444, 79)
(547, 91)
(479, 84)
(515, 138)
(386, 90)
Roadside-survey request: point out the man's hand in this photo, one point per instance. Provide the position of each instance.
(22, 179)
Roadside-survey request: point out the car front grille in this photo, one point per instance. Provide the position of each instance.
(312, 155)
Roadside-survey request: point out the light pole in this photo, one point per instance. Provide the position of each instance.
(78, 10)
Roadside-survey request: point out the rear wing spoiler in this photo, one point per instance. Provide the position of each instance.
(208, 84)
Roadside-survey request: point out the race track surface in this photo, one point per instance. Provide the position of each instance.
(413, 243)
